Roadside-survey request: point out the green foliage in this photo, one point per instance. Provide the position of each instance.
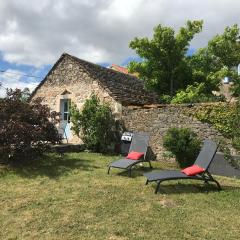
(235, 125)
(25, 94)
(193, 94)
(218, 60)
(225, 48)
(224, 147)
(236, 86)
(25, 130)
(164, 67)
(95, 125)
(203, 69)
(75, 119)
(166, 99)
(224, 117)
(220, 116)
(184, 144)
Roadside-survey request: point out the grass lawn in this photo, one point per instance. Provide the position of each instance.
(74, 198)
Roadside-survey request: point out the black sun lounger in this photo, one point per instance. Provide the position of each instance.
(203, 160)
(139, 144)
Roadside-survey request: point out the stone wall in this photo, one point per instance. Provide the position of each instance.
(157, 120)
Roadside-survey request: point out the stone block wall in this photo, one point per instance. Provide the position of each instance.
(69, 80)
(71, 77)
(157, 120)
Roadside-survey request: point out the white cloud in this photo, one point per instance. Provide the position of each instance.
(122, 10)
(15, 79)
(37, 32)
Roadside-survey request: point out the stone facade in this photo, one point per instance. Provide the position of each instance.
(75, 80)
(69, 81)
(156, 120)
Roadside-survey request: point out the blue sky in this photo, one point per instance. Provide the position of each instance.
(34, 34)
(27, 69)
(14, 77)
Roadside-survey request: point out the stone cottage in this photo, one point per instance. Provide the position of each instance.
(74, 80)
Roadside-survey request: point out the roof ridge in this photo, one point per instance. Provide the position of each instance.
(122, 87)
(97, 65)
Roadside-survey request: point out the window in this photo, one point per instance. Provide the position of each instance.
(65, 109)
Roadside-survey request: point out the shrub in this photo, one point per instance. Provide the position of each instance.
(25, 130)
(184, 144)
(165, 99)
(95, 125)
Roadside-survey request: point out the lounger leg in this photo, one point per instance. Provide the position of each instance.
(150, 165)
(109, 169)
(218, 185)
(213, 180)
(157, 188)
(130, 171)
(206, 182)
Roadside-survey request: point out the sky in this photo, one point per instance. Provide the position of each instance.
(33, 33)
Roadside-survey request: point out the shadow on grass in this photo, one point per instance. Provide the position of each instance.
(179, 188)
(52, 166)
(137, 171)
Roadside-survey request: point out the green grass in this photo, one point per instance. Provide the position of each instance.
(74, 198)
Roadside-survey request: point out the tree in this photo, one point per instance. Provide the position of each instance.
(25, 130)
(217, 60)
(95, 125)
(164, 66)
(225, 48)
(25, 95)
(195, 93)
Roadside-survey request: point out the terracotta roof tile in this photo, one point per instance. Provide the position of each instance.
(119, 68)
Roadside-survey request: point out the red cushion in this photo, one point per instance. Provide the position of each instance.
(135, 155)
(192, 170)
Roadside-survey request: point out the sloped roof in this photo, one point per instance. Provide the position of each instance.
(124, 88)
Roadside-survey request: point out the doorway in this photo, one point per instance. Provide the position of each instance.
(65, 124)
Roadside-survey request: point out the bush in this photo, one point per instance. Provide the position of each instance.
(165, 99)
(25, 130)
(184, 144)
(95, 125)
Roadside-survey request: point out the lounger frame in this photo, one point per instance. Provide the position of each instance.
(139, 143)
(206, 177)
(204, 160)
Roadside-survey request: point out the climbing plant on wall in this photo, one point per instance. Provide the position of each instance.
(223, 116)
